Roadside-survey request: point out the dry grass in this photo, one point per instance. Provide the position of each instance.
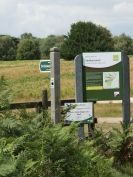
(27, 83)
(105, 110)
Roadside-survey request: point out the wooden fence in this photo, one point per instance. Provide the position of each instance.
(45, 103)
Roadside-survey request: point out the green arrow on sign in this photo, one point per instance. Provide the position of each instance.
(45, 66)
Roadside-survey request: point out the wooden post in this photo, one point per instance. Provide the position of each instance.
(44, 99)
(38, 108)
(55, 84)
(79, 89)
(45, 106)
(126, 90)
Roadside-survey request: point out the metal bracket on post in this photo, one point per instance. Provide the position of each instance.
(55, 84)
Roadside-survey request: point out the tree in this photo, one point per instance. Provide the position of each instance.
(49, 42)
(86, 37)
(123, 43)
(8, 47)
(28, 49)
(27, 36)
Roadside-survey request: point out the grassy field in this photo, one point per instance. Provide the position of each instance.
(27, 83)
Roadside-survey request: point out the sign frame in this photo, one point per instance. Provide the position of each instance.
(80, 112)
(125, 83)
(46, 67)
(103, 76)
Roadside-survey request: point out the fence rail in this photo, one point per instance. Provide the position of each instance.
(48, 104)
(45, 103)
(36, 104)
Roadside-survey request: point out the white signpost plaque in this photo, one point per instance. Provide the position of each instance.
(80, 112)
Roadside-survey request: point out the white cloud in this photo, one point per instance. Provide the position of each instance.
(43, 17)
(125, 8)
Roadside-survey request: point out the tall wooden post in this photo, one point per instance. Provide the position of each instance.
(55, 84)
(79, 89)
(126, 89)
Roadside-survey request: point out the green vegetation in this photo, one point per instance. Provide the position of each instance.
(31, 145)
(82, 37)
(123, 43)
(86, 37)
(27, 83)
(28, 49)
(8, 47)
(49, 42)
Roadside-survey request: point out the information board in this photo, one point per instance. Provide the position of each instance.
(102, 76)
(79, 112)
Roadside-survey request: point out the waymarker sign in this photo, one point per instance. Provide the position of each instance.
(44, 65)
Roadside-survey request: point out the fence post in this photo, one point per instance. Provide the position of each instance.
(45, 105)
(38, 108)
(55, 84)
(44, 99)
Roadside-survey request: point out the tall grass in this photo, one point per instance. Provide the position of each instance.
(27, 83)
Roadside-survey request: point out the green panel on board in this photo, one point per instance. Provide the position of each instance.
(103, 83)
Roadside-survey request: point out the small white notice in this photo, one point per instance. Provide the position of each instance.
(79, 112)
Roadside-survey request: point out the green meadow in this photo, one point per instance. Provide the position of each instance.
(26, 83)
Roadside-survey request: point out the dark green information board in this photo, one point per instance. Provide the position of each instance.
(103, 85)
(103, 76)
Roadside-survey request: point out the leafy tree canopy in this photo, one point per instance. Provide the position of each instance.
(49, 42)
(123, 43)
(8, 47)
(86, 37)
(28, 49)
(27, 36)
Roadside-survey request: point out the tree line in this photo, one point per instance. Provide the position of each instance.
(82, 37)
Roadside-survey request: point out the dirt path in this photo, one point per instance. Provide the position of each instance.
(110, 120)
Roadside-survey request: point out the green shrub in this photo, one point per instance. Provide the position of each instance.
(30, 145)
(117, 143)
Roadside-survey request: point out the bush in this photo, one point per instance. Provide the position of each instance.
(30, 145)
(28, 49)
(8, 47)
(86, 37)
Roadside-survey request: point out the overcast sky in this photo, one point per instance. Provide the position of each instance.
(44, 17)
